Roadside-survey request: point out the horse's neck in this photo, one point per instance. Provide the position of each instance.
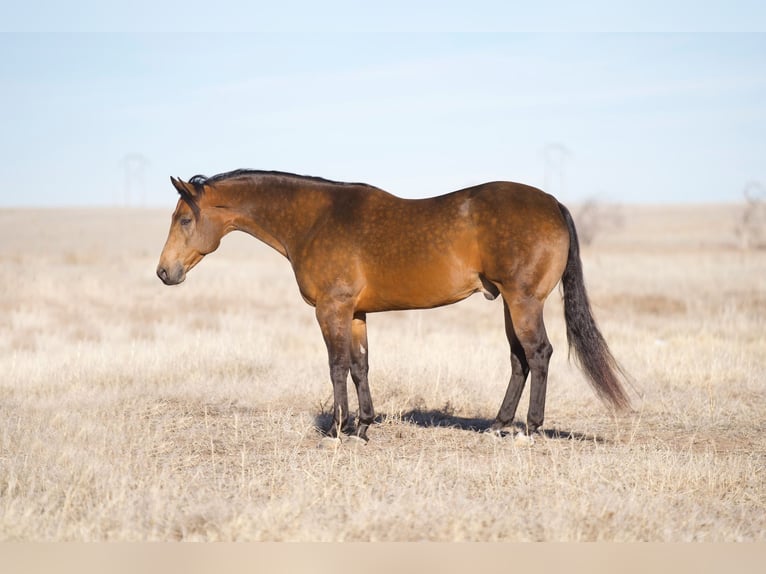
(278, 213)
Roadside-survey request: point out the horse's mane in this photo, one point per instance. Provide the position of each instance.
(199, 181)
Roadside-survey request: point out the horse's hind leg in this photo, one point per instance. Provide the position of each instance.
(359, 370)
(519, 372)
(527, 318)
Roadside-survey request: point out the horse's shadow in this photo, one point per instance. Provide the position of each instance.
(435, 418)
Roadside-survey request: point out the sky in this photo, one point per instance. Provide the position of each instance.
(101, 114)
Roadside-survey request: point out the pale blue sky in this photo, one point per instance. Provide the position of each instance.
(668, 117)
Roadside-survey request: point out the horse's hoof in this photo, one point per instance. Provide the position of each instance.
(356, 441)
(329, 443)
(495, 433)
(522, 439)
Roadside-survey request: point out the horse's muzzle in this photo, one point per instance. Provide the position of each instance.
(171, 277)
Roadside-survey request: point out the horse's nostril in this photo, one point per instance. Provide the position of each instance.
(162, 274)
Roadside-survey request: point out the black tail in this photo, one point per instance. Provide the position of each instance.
(592, 353)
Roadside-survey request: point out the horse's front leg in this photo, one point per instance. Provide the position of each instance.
(335, 319)
(359, 370)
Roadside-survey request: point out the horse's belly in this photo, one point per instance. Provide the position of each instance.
(416, 291)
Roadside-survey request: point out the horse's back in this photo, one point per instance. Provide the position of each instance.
(404, 253)
(494, 228)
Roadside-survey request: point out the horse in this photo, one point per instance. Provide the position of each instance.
(356, 249)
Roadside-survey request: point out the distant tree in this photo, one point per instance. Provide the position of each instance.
(751, 227)
(593, 218)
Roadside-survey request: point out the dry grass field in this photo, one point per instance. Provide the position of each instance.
(134, 411)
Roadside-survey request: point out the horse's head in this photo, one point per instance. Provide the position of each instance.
(194, 232)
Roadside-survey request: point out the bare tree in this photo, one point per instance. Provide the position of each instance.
(593, 218)
(751, 228)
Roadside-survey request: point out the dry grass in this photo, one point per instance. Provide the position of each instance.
(134, 411)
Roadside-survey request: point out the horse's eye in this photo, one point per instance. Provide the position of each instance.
(185, 221)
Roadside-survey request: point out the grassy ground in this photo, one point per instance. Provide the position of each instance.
(134, 411)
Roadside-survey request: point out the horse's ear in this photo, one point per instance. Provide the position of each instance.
(183, 187)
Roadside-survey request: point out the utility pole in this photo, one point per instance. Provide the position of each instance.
(555, 156)
(134, 166)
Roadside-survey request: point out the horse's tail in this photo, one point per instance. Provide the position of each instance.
(593, 355)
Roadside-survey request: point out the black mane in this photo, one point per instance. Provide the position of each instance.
(199, 181)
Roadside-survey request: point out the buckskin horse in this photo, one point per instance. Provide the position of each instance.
(356, 249)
